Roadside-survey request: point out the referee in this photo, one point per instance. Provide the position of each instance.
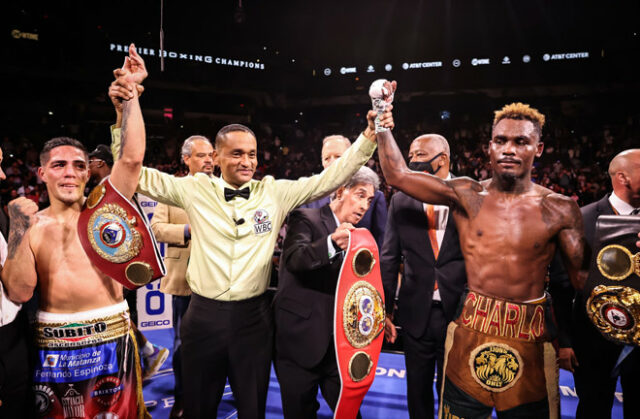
(227, 330)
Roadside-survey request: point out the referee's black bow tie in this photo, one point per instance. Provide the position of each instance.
(229, 193)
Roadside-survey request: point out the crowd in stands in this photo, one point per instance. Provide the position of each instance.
(574, 161)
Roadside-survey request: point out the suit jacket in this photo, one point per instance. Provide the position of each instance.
(304, 302)
(374, 220)
(168, 224)
(407, 240)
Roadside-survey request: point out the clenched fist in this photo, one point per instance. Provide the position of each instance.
(22, 210)
(341, 235)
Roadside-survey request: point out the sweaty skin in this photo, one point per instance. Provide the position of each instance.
(509, 227)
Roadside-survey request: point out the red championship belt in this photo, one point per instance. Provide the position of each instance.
(115, 234)
(359, 321)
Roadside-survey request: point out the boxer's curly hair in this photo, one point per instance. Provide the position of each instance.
(519, 110)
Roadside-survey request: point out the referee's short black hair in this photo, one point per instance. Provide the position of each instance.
(220, 136)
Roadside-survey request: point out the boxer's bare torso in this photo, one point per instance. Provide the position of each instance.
(69, 282)
(508, 226)
(508, 239)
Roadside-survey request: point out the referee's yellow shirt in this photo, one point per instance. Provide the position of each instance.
(231, 261)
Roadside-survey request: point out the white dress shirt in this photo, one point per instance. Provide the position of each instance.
(621, 207)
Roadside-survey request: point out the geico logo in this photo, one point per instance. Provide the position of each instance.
(74, 330)
(155, 323)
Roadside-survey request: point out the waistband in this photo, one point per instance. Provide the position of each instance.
(504, 318)
(47, 317)
(68, 330)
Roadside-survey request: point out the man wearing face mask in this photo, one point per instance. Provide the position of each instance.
(423, 238)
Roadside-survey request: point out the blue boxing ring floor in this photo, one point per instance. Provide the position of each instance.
(386, 399)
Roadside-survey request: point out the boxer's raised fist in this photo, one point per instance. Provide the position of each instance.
(21, 212)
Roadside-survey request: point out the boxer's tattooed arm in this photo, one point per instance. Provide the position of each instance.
(573, 245)
(471, 195)
(421, 186)
(553, 207)
(19, 225)
(126, 110)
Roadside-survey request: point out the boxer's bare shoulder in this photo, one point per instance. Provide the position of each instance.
(557, 209)
(470, 193)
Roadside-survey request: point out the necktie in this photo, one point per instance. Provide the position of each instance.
(229, 194)
(433, 238)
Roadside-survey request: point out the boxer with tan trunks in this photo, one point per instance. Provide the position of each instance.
(499, 351)
(86, 363)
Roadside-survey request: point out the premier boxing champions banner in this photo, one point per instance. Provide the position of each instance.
(359, 321)
(613, 286)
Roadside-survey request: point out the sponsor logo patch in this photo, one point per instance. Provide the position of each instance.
(45, 398)
(495, 366)
(73, 403)
(75, 365)
(74, 332)
(107, 391)
(262, 224)
(51, 360)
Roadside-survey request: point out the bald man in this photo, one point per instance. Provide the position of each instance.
(591, 357)
(434, 276)
(333, 146)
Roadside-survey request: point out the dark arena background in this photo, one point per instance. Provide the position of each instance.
(296, 71)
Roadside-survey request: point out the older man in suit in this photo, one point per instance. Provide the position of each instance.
(171, 225)
(424, 239)
(304, 303)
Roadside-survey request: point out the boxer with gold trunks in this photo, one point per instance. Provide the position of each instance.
(499, 353)
(509, 229)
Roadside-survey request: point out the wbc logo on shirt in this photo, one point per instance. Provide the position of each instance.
(262, 224)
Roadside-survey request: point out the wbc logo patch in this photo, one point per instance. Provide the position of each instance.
(262, 224)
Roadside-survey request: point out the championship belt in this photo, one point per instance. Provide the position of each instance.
(359, 321)
(613, 286)
(115, 234)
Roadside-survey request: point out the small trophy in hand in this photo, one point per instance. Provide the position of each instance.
(381, 93)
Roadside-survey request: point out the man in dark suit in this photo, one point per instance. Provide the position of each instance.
(304, 303)
(590, 356)
(375, 218)
(425, 240)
